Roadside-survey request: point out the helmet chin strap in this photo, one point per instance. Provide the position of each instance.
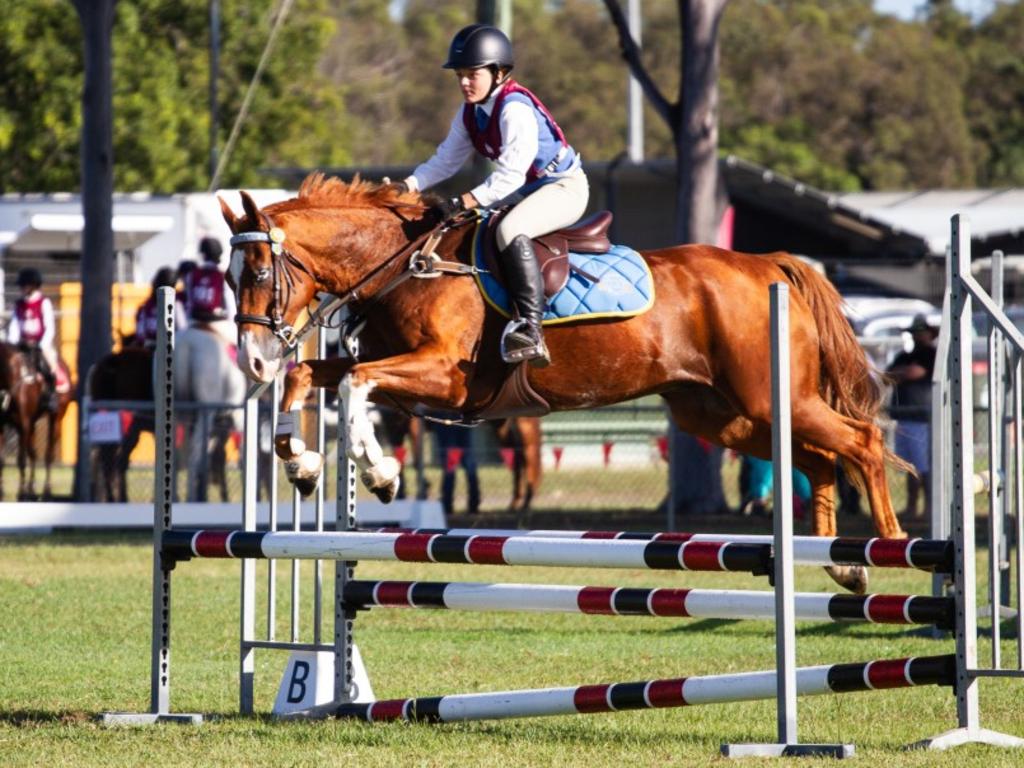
(495, 84)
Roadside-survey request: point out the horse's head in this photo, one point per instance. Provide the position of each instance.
(272, 287)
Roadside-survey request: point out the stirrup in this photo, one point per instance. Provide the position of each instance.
(522, 341)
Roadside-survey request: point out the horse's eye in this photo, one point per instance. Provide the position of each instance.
(262, 274)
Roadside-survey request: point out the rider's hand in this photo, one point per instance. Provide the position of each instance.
(447, 208)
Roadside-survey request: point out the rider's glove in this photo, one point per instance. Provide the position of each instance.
(447, 208)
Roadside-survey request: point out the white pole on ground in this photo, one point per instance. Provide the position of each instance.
(787, 741)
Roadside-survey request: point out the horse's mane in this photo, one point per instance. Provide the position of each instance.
(321, 191)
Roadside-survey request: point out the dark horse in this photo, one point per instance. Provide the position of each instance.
(703, 346)
(23, 401)
(128, 376)
(125, 375)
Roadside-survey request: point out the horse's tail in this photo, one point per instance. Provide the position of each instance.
(850, 384)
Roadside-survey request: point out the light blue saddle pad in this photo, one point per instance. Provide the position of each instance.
(623, 286)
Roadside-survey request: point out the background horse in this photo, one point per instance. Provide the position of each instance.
(205, 374)
(703, 346)
(23, 401)
(125, 375)
(521, 435)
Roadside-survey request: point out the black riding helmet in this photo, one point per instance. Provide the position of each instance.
(29, 277)
(480, 45)
(211, 248)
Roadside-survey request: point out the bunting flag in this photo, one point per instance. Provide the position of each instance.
(557, 451)
(663, 447)
(508, 456)
(607, 448)
(400, 454)
(452, 459)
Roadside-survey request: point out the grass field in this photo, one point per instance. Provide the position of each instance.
(74, 642)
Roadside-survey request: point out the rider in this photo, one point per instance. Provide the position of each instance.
(537, 171)
(208, 300)
(146, 322)
(33, 328)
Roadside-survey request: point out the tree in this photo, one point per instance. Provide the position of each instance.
(97, 267)
(693, 117)
(161, 120)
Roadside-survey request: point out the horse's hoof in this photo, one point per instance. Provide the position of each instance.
(853, 578)
(306, 486)
(383, 479)
(304, 471)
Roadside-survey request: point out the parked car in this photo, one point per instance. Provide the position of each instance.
(880, 323)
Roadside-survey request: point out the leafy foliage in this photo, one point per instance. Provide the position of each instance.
(828, 91)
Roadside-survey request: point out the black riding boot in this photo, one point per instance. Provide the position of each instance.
(523, 338)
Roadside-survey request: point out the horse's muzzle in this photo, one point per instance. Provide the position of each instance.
(254, 360)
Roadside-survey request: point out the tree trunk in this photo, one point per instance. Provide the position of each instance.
(97, 157)
(698, 195)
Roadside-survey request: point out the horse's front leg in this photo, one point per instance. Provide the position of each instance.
(422, 376)
(303, 467)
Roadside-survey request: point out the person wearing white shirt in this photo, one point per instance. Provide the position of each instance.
(33, 328)
(536, 171)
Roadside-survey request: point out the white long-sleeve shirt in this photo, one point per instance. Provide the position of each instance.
(49, 325)
(520, 143)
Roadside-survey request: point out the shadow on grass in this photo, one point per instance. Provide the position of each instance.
(30, 718)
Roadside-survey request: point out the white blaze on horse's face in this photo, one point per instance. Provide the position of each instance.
(259, 352)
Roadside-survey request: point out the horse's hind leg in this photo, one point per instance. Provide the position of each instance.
(862, 447)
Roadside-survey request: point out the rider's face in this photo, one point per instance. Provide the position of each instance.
(475, 83)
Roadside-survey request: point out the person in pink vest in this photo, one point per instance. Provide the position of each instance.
(536, 171)
(146, 321)
(209, 302)
(33, 327)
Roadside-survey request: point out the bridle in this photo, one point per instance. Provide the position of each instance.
(423, 263)
(280, 259)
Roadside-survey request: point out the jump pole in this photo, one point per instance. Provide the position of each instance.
(649, 694)
(160, 653)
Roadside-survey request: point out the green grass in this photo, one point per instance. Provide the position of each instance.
(74, 642)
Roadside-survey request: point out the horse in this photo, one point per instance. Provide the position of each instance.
(205, 374)
(23, 401)
(125, 375)
(702, 346)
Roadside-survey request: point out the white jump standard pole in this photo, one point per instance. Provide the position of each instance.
(160, 660)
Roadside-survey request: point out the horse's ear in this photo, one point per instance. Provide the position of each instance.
(228, 214)
(252, 210)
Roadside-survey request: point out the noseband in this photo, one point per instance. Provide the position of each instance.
(280, 260)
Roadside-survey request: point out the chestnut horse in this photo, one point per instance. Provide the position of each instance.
(23, 401)
(703, 346)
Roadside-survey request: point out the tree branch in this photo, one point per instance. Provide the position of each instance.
(631, 53)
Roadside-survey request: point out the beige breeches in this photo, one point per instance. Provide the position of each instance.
(554, 206)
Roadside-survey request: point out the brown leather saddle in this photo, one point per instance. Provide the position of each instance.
(589, 235)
